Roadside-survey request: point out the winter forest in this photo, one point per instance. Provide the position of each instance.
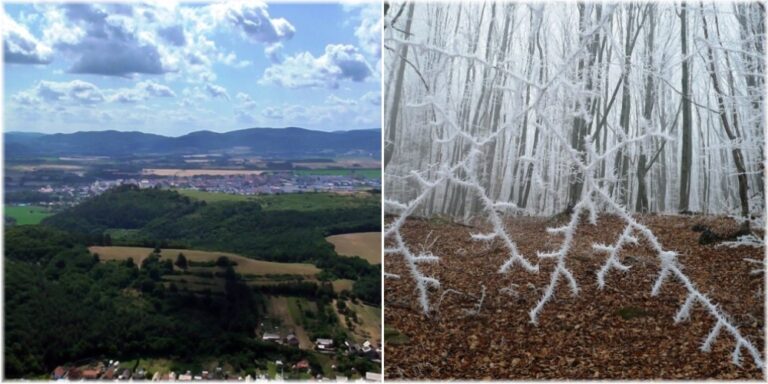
(539, 153)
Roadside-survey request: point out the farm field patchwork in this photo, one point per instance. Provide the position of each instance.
(364, 244)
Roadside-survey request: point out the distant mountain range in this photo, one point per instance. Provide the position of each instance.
(290, 141)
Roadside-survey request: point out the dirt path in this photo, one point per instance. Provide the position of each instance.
(619, 332)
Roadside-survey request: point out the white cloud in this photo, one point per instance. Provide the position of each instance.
(231, 60)
(272, 113)
(368, 32)
(217, 91)
(142, 91)
(335, 100)
(335, 113)
(20, 46)
(72, 92)
(252, 19)
(339, 62)
(274, 52)
(78, 92)
(245, 100)
(373, 97)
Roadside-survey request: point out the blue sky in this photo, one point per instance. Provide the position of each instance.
(171, 68)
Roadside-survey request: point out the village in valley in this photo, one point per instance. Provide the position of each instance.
(280, 370)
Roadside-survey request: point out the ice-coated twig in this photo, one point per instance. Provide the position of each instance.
(592, 194)
(760, 269)
(479, 306)
(744, 241)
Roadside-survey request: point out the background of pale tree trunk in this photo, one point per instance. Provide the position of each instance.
(593, 74)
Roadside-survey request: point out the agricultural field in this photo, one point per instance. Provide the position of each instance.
(342, 285)
(213, 197)
(317, 201)
(25, 215)
(369, 326)
(364, 244)
(287, 310)
(341, 163)
(374, 173)
(46, 167)
(245, 266)
(197, 172)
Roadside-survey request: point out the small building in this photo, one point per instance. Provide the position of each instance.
(324, 345)
(74, 374)
(292, 340)
(90, 374)
(125, 374)
(302, 365)
(109, 374)
(271, 337)
(140, 374)
(59, 373)
(372, 376)
(352, 348)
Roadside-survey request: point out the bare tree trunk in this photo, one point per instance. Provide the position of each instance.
(394, 112)
(738, 157)
(687, 159)
(641, 205)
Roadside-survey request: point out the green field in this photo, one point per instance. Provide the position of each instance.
(212, 197)
(27, 215)
(310, 201)
(373, 173)
(317, 201)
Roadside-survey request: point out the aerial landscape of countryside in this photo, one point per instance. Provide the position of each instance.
(191, 192)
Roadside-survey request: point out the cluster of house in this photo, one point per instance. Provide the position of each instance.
(367, 349)
(112, 371)
(267, 183)
(290, 339)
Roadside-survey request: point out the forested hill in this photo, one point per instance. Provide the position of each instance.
(64, 305)
(165, 218)
(261, 141)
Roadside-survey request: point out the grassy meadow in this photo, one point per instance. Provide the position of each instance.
(25, 215)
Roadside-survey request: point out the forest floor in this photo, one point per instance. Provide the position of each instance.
(619, 332)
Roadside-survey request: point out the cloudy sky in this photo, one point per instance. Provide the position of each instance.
(176, 68)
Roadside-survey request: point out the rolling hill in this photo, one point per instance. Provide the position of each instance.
(259, 141)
